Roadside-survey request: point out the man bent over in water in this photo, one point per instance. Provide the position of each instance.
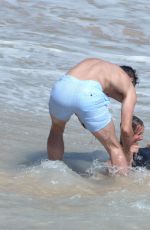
(85, 91)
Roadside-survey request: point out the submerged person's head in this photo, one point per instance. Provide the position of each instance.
(136, 121)
(131, 73)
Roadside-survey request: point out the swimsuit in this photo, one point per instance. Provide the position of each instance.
(85, 98)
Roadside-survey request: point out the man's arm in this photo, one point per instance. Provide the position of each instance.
(127, 110)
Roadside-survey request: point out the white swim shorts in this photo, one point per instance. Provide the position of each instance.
(84, 98)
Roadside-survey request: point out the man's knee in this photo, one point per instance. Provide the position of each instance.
(107, 135)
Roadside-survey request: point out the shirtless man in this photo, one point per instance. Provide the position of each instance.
(84, 91)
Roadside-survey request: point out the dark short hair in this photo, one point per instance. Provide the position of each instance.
(131, 73)
(136, 121)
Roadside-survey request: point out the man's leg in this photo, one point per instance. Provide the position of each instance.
(107, 137)
(55, 143)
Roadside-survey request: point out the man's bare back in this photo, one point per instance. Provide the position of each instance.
(114, 81)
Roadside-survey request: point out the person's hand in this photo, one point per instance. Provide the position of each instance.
(132, 151)
(138, 134)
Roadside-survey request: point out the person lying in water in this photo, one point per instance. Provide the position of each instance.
(141, 156)
(138, 130)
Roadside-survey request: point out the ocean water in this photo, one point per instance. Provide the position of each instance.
(39, 41)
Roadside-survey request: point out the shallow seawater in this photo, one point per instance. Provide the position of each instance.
(39, 41)
(51, 195)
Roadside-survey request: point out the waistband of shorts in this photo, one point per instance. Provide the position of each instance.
(74, 79)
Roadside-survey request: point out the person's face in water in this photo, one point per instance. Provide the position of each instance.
(139, 132)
